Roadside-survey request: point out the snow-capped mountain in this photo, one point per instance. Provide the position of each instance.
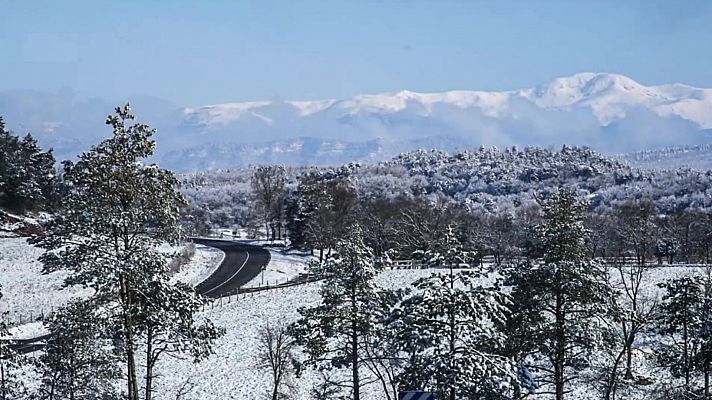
(607, 96)
(607, 111)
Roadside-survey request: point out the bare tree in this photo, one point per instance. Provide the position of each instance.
(268, 188)
(275, 355)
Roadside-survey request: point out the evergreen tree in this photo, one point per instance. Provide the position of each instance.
(27, 174)
(334, 333)
(557, 303)
(686, 323)
(301, 207)
(450, 329)
(78, 362)
(115, 212)
(10, 386)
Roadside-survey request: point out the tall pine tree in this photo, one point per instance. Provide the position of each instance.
(334, 333)
(685, 326)
(115, 212)
(78, 362)
(557, 302)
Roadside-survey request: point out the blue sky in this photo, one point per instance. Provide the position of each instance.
(202, 52)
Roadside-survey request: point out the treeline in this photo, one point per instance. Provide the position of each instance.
(28, 180)
(318, 209)
(487, 187)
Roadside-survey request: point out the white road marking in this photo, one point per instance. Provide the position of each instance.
(233, 275)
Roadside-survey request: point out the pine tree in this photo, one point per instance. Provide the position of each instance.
(334, 332)
(27, 174)
(10, 386)
(557, 303)
(686, 323)
(78, 362)
(450, 329)
(166, 320)
(115, 212)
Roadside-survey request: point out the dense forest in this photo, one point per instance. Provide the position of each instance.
(490, 194)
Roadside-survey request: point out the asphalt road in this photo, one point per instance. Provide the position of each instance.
(242, 263)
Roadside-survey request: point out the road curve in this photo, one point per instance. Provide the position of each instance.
(242, 263)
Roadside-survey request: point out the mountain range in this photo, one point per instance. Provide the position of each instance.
(609, 112)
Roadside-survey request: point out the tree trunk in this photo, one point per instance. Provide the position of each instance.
(354, 337)
(685, 346)
(610, 393)
(2, 380)
(354, 356)
(451, 323)
(132, 385)
(707, 380)
(149, 363)
(560, 356)
(629, 355)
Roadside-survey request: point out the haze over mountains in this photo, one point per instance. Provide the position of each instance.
(609, 112)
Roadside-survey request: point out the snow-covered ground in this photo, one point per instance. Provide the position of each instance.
(28, 293)
(231, 372)
(25, 289)
(203, 263)
(284, 265)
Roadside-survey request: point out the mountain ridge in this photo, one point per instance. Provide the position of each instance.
(610, 112)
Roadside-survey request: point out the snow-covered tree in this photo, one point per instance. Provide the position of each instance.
(115, 211)
(268, 190)
(557, 303)
(275, 355)
(321, 210)
(78, 362)
(10, 386)
(450, 331)
(27, 174)
(685, 324)
(333, 334)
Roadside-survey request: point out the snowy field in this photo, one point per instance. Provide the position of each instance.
(26, 291)
(231, 372)
(284, 265)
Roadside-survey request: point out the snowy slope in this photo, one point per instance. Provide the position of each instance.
(232, 374)
(26, 291)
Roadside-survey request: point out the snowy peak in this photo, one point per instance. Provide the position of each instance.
(567, 91)
(607, 96)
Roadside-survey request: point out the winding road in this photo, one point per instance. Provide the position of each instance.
(241, 264)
